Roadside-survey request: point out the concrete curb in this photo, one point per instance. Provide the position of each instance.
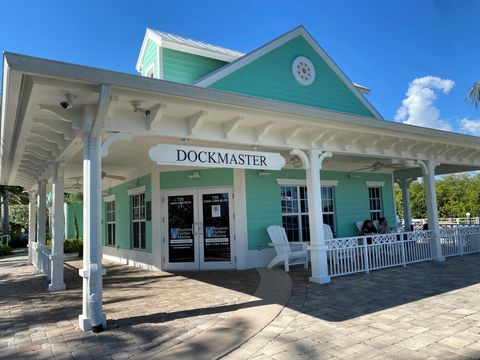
(221, 339)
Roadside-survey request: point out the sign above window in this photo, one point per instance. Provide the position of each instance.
(164, 154)
(303, 70)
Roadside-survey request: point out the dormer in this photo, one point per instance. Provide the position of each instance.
(175, 58)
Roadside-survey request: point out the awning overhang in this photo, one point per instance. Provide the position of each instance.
(36, 132)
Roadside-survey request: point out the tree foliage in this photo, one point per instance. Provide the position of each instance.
(473, 94)
(457, 194)
(19, 215)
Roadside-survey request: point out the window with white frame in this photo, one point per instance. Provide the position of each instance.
(375, 199)
(110, 209)
(295, 211)
(138, 221)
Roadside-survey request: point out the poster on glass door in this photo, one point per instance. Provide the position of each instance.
(180, 235)
(216, 227)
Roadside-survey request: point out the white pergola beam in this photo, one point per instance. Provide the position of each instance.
(291, 133)
(156, 115)
(49, 136)
(58, 126)
(72, 116)
(231, 126)
(195, 121)
(262, 131)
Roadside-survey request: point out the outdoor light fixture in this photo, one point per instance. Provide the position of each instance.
(263, 173)
(194, 175)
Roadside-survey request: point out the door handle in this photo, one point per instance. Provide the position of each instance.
(193, 228)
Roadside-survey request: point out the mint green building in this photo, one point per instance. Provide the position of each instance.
(291, 71)
(186, 165)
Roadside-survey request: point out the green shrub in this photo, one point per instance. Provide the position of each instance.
(70, 246)
(5, 250)
(17, 242)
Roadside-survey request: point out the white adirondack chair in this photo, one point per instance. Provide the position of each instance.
(290, 253)
(327, 232)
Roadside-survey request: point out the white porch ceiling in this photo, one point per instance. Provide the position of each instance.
(36, 132)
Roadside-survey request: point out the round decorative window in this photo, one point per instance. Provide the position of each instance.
(303, 70)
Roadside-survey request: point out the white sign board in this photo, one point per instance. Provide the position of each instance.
(164, 154)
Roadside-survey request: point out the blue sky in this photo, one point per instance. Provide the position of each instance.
(384, 45)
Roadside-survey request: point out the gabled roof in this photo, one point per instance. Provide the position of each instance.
(184, 44)
(298, 31)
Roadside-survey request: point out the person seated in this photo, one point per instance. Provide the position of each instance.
(383, 227)
(368, 228)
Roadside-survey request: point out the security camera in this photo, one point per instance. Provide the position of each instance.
(68, 102)
(137, 108)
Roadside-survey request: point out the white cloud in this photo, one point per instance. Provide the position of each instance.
(470, 126)
(418, 108)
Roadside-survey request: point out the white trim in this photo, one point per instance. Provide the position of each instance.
(109, 198)
(137, 190)
(302, 182)
(240, 221)
(160, 62)
(156, 198)
(375, 183)
(254, 55)
(328, 182)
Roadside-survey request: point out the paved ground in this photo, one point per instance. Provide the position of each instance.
(425, 311)
(145, 310)
(428, 310)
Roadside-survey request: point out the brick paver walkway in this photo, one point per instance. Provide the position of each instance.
(144, 310)
(425, 311)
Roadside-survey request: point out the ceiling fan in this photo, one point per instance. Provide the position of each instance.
(378, 165)
(104, 176)
(111, 176)
(75, 187)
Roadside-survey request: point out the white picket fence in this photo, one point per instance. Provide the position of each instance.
(364, 253)
(460, 240)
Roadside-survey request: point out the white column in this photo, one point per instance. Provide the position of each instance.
(428, 170)
(92, 316)
(240, 211)
(41, 221)
(407, 213)
(32, 224)
(57, 282)
(318, 248)
(157, 235)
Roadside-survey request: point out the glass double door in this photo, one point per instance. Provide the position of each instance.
(198, 229)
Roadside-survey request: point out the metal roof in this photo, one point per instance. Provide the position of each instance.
(196, 44)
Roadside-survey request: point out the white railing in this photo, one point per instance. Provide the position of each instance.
(44, 260)
(364, 253)
(34, 250)
(446, 222)
(460, 240)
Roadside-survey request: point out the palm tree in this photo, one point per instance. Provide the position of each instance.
(473, 95)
